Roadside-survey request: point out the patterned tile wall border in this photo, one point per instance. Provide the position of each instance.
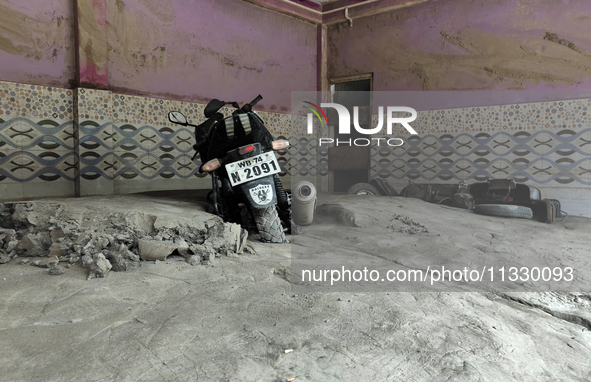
(37, 140)
(128, 138)
(541, 157)
(140, 142)
(122, 138)
(307, 160)
(546, 143)
(552, 115)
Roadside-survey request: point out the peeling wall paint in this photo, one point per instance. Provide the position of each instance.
(470, 45)
(196, 51)
(37, 42)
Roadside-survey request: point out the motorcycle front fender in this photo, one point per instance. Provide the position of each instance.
(260, 193)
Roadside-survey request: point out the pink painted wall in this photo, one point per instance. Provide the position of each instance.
(37, 42)
(475, 45)
(198, 50)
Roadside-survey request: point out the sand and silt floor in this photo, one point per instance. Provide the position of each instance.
(207, 313)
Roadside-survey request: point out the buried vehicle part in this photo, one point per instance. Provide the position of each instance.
(504, 211)
(363, 189)
(383, 187)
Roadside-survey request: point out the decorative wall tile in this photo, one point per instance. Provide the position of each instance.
(33, 101)
(463, 157)
(543, 143)
(129, 140)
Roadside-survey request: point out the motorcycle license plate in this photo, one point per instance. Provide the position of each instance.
(252, 168)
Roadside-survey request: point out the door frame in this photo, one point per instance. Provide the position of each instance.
(338, 80)
(354, 77)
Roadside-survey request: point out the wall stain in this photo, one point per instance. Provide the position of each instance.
(162, 9)
(120, 5)
(521, 74)
(419, 70)
(455, 40)
(24, 35)
(554, 38)
(499, 56)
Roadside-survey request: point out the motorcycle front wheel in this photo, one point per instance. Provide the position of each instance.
(269, 225)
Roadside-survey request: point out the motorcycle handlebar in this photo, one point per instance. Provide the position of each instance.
(256, 100)
(248, 107)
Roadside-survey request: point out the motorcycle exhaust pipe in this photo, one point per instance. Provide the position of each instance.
(303, 203)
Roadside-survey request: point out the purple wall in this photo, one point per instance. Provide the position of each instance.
(198, 50)
(471, 45)
(37, 42)
(178, 49)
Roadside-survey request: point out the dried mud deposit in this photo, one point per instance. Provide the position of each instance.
(241, 318)
(109, 235)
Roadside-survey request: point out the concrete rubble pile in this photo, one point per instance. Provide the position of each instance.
(55, 236)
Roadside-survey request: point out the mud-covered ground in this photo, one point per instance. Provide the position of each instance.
(245, 317)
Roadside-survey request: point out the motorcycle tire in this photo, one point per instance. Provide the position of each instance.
(269, 225)
(363, 189)
(504, 211)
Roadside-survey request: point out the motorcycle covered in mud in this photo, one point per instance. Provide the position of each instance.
(238, 152)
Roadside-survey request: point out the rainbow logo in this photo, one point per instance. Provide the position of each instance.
(315, 112)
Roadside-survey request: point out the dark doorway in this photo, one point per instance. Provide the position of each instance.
(350, 164)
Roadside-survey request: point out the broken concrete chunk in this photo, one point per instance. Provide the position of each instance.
(57, 270)
(33, 215)
(20, 215)
(7, 235)
(98, 264)
(72, 217)
(140, 222)
(151, 250)
(124, 260)
(122, 237)
(4, 257)
(57, 250)
(181, 245)
(101, 242)
(243, 238)
(31, 246)
(32, 219)
(11, 246)
(27, 243)
(193, 260)
(56, 234)
(46, 263)
(81, 238)
(226, 237)
(205, 252)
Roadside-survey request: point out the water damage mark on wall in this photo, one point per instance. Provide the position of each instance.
(455, 40)
(503, 73)
(22, 34)
(554, 38)
(468, 45)
(419, 70)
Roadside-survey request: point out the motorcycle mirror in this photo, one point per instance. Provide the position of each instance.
(212, 107)
(177, 117)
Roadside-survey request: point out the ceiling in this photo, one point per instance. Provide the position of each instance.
(329, 12)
